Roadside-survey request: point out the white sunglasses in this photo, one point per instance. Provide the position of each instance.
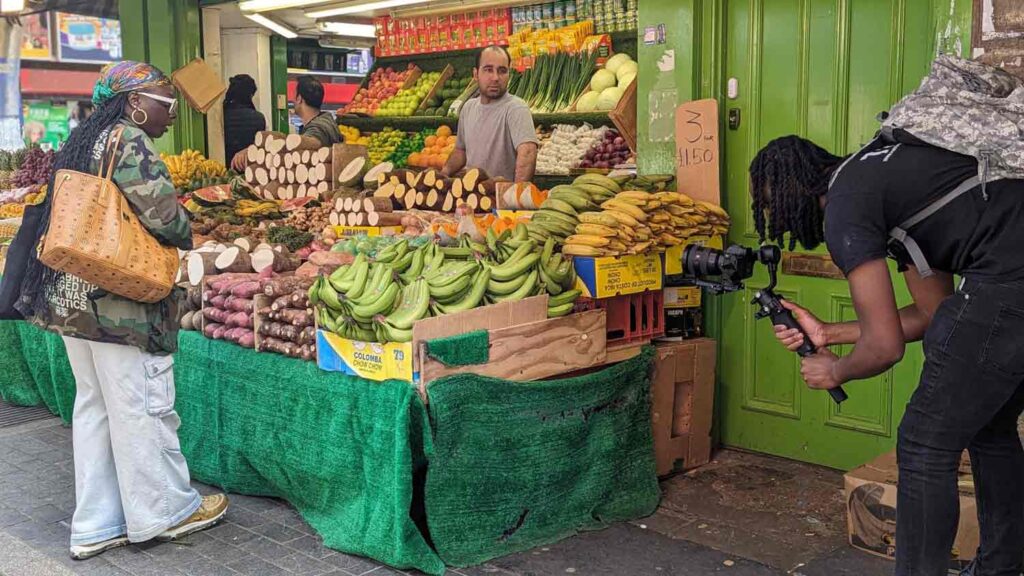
(172, 103)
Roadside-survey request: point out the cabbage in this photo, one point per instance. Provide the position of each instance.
(609, 98)
(587, 102)
(626, 69)
(613, 63)
(602, 79)
(626, 79)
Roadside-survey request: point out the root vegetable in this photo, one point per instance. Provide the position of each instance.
(282, 286)
(239, 319)
(211, 328)
(276, 261)
(187, 321)
(199, 265)
(238, 304)
(295, 142)
(279, 346)
(218, 301)
(296, 317)
(234, 259)
(217, 315)
(247, 339)
(246, 289)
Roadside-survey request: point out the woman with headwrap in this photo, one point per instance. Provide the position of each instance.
(131, 480)
(241, 119)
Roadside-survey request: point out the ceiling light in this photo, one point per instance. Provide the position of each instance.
(268, 5)
(363, 7)
(11, 6)
(275, 26)
(348, 29)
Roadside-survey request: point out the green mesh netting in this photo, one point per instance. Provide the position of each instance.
(342, 450)
(519, 465)
(34, 368)
(461, 350)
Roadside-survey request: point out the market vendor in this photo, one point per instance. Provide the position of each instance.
(242, 121)
(970, 393)
(496, 130)
(309, 97)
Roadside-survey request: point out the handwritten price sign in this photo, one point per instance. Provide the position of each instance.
(697, 150)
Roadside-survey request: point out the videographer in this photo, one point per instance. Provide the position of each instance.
(970, 394)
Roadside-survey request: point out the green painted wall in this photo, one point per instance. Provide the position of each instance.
(279, 81)
(167, 34)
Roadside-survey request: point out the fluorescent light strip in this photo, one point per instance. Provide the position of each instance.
(11, 6)
(348, 29)
(275, 26)
(381, 5)
(268, 5)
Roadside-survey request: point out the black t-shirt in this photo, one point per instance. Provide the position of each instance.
(240, 128)
(886, 184)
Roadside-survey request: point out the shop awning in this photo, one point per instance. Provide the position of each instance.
(63, 83)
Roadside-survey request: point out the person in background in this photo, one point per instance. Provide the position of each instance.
(131, 480)
(496, 131)
(316, 123)
(241, 120)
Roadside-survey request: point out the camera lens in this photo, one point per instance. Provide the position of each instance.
(700, 261)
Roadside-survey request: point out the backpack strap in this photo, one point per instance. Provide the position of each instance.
(899, 233)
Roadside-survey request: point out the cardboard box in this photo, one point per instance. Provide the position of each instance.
(199, 84)
(870, 494)
(681, 297)
(524, 344)
(682, 404)
(607, 276)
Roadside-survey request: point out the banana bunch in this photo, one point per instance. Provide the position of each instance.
(246, 208)
(559, 215)
(647, 182)
(191, 165)
(380, 300)
(636, 222)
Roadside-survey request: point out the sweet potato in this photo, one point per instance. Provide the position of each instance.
(240, 319)
(217, 315)
(246, 290)
(219, 333)
(247, 339)
(217, 301)
(239, 304)
(211, 329)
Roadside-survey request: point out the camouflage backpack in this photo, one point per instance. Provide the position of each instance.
(966, 107)
(971, 108)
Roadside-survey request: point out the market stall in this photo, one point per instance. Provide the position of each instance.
(434, 370)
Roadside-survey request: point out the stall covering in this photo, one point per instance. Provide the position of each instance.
(493, 467)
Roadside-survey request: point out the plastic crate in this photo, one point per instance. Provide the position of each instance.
(632, 318)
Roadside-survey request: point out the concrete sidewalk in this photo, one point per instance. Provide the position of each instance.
(708, 524)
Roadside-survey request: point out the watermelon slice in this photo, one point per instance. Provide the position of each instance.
(212, 195)
(296, 203)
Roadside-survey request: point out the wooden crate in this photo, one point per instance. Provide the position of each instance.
(624, 115)
(682, 403)
(446, 74)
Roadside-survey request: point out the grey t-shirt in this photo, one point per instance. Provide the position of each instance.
(490, 134)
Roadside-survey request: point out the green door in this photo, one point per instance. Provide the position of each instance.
(822, 69)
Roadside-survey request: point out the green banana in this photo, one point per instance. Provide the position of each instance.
(415, 267)
(452, 290)
(389, 333)
(567, 297)
(557, 311)
(473, 297)
(553, 288)
(514, 267)
(314, 291)
(522, 232)
(557, 205)
(553, 216)
(492, 241)
(499, 288)
(449, 274)
(358, 282)
(505, 235)
(329, 297)
(457, 253)
(525, 290)
(402, 264)
(378, 306)
(326, 322)
(414, 305)
(566, 271)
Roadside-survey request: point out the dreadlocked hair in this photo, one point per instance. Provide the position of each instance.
(787, 179)
(76, 154)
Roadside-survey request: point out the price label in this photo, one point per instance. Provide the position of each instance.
(697, 150)
(627, 275)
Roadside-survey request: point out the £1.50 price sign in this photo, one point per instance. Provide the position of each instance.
(697, 150)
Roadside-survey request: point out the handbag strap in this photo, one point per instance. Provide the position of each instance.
(112, 143)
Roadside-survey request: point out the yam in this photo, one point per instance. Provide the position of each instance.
(330, 259)
(299, 318)
(457, 189)
(247, 339)
(304, 157)
(384, 219)
(243, 243)
(219, 333)
(251, 153)
(277, 261)
(352, 174)
(240, 319)
(234, 259)
(285, 285)
(278, 346)
(218, 301)
(472, 177)
(186, 322)
(376, 205)
(295, 142)
(261, 175)
(301, 174)
(198, 265)
(486, 204)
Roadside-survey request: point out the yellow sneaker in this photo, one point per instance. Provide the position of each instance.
(210, 512)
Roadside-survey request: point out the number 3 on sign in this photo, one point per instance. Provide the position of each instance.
(697, 169)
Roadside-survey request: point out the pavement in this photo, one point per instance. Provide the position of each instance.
(742, 515)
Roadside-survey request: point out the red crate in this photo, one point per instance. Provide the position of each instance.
(632, 318)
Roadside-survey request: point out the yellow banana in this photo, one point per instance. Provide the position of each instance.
(626, 207)
(600, 218)
(623, 218)
(595, 230)
(587, 240)
(582, 250)
(635, 194)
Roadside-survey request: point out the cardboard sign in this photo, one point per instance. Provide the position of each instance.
(609, 276)
(698, 150)
(199, 84)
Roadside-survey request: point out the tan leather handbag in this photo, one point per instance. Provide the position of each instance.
(95, 235)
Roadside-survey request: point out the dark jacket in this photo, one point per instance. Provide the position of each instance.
(240, 128)
(323, 128)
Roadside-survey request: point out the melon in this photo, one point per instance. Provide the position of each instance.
(626, 69)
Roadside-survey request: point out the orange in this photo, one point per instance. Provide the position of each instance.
(444, 131)
(431, 140)
(414, 159)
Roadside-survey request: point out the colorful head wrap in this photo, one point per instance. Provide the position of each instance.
(126, 76)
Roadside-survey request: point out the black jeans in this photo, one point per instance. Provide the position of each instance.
(970, 396)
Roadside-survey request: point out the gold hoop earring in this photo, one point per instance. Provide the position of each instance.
(145, 116)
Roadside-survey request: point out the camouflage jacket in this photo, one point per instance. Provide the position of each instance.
(81, 310)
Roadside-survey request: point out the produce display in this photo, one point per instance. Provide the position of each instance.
(382, 144)
(554, 81)
(437, 147)
(380, 299)
(406, 101)
(284, 321)
(382, 84)
(191, 170)
(608, 152)
(559, 215)
(567, 147)
(408, 146)
(288, 166)
(429, 190)
(608, 84)
(440, 104)
(351, 135)
(636, 222)
(521, 196)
